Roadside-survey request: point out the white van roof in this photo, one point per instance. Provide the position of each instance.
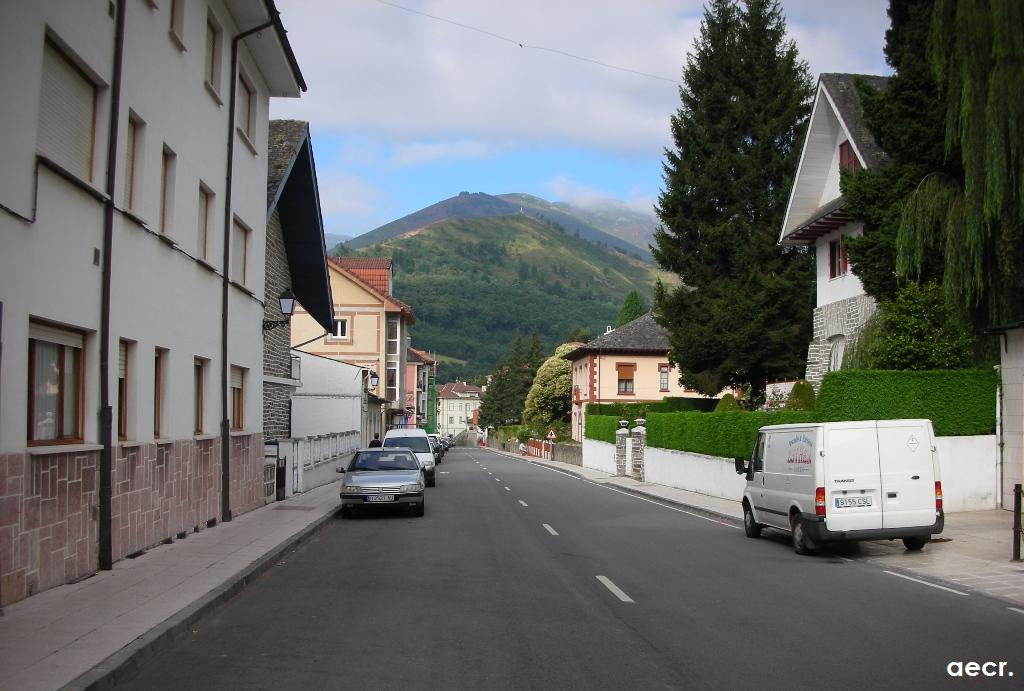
(841, 424)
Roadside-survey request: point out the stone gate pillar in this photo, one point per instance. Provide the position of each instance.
(621, 435)
(639, 435)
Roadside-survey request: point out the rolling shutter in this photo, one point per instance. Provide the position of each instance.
(236, 377)
(51, 334)
(625, 370)
(67, 102)
(122, 360)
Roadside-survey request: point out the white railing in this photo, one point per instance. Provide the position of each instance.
(323, 448)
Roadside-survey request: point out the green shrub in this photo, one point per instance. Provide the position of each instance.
(727, 434)
(632, 411)
(601, 427)
(728, 404)
(801, 397)
(958, 402)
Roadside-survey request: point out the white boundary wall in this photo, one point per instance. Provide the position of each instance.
(969, 468)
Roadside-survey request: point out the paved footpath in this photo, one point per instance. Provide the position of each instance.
(81, 634)
(972, 554)
(91, 633)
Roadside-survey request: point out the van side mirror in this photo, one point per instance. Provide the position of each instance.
(340, 470)
(741, 465)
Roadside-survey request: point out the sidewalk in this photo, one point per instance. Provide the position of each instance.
(123, 616)
(972, 554)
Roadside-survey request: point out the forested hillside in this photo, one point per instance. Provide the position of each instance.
(476, 283)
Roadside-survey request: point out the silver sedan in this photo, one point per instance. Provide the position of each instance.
(382, 477)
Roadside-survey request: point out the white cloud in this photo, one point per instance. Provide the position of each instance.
(566, 190)
(417, 153)
(345, 194)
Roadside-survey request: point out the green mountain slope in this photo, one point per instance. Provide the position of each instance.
(476, 283)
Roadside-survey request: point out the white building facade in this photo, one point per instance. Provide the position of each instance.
(132, 222)
(457, 404)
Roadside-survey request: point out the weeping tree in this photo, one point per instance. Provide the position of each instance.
(974, 219)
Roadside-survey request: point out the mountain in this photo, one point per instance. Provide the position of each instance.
(632, 227)
(477, 283)
(332, 240)
(479, 204)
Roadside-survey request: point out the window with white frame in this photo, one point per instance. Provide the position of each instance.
(340, 329)
(663, 371)
(67, 114)
(55, 387)
(391, 382)
(392, 336)
(837, 258)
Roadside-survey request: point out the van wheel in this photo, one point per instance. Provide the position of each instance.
(913, 544)
(801, 543)
(346, 511)
(750, 527)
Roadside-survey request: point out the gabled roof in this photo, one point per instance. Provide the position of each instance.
(837, 115)
(374, 271)
(337, 264)
(292, 192)
(640, 336)
(459, 390)
(418, 357)
(270, 50)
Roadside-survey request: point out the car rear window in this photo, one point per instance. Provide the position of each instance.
(417, 444)
(384, 460)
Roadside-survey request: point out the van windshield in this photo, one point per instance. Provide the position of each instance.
(417, 444)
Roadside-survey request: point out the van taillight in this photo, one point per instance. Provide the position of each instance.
(938, 494)
(819, 501)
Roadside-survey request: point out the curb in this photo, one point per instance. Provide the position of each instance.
(709, 513)
(126, 662)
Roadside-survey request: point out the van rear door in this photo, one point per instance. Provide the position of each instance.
(908, 473)
(852, 480)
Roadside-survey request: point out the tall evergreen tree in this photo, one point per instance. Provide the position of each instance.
(632, 308)
(743, 312)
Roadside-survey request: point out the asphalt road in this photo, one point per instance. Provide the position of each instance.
(522, 577)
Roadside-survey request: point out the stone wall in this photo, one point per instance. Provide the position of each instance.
(160, 490)
(49, 524)
(246, 491)
(843, 317)
(277, 341)
(277, 410)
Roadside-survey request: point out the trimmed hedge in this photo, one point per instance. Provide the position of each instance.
(727, 434)
(631, 411)
(958, 402)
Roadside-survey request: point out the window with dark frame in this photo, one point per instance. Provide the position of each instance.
(847, 157)
(663, 371)
(237, 398)
(246, 106)
(67, 113)
(198, 371)
(213, 42)
(176, 21)
(837, 258)
(55, 386)
(625, 374)
(240, 254)
(122, 391)
(205, 204)
(159, 364)
(131, 156)
(340, 328)
(166, 190)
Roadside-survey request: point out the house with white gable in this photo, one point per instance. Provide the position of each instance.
(837, 138)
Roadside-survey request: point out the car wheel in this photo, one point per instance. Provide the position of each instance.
(346, 511)
(419, 509)
(913, 544)
(750, 527)
(801, 543)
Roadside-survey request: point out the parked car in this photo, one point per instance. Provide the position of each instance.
(382, 477)
(824, 482)
(441, 448)
(416, 440)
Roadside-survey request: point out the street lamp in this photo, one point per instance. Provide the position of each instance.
(287, 300)
(374, 379)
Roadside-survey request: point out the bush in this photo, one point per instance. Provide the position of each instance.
(727, 404)
(601, 427)
(631, 411)
(958, 402)
(727, 434)
(801, 397)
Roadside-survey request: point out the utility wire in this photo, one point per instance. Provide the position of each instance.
(528, 46)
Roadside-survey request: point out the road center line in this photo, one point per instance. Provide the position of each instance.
(616, 590)
(1014, 609)
(523, 502)
(931, 585)
(549, 529)
(507, 489)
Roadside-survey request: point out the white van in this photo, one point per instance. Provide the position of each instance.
(415, 439)
(865, 480)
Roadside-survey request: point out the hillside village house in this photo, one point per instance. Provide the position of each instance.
(132, 238)
(624, 365)
(837, 138)
(369, 328)
(457, 406)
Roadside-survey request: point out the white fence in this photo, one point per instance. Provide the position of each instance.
(969, 467)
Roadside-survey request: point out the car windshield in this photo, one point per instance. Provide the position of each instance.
(417, 444)
(386, 460)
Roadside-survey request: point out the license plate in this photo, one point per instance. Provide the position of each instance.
(847, 502)
(380, 497)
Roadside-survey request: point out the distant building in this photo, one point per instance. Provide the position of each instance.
(420, 370)
(625, 365)
(457, 406)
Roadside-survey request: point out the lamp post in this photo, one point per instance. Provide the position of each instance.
(287, 300)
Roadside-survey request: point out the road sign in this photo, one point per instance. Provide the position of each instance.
(551, 435)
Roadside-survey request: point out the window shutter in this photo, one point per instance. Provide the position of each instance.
(842, 256)
(625, 370)
(122, 360)
(51, 334)
(66, 109)
(236, 377)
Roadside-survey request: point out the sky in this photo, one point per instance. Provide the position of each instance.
(413, 101)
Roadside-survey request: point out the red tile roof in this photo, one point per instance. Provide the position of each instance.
(374, 271)
(379, 290)
(459, 390)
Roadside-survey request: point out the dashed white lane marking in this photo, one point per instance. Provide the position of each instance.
(616, 590)
(930, 585)
(444, 472)
(549, 529)
(1014, 609)
(507, 489)
(523, 502)
(497, 479)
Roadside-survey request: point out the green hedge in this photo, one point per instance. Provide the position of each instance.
(727, 434)
(631, 411)
(958, 402)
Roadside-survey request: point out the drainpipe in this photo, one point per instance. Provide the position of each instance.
(225, 423)
(106, 421)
